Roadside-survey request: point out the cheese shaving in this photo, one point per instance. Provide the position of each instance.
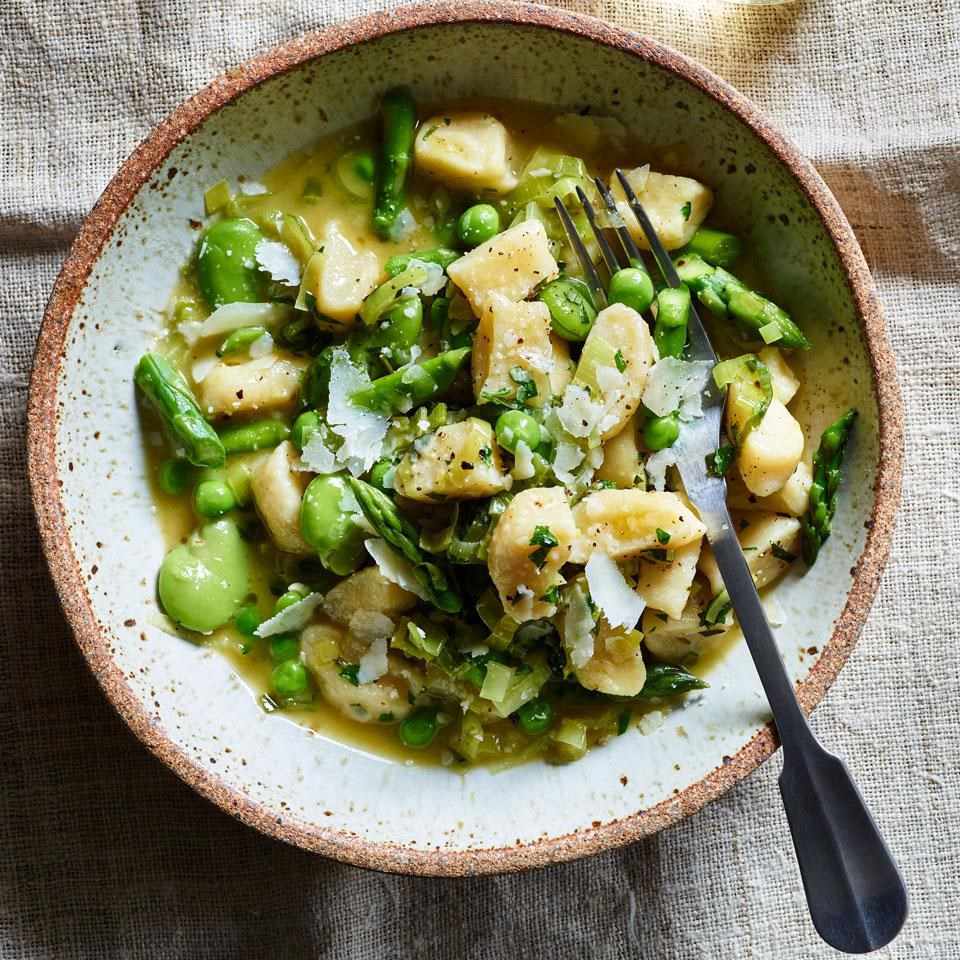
(261, 347)
(202, 367)
(674, 384)
(373, 664)
(578, 414)
(566, 459)
(363, 431)
(522, 462)
(277, 259)
(395, 568)
(294, 617)
(620, 604)
(232, 316)
(435, 280)
(317, 456)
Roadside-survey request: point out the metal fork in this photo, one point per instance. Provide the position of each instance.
(854, 890)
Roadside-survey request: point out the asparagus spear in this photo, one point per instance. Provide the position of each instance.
(723, 294)
(399, 116)
(412, 385)
(258, 435)
(170, 396)
(826, 485)
(664, 680)
(673, 313)
(403, 537)
(715, 246)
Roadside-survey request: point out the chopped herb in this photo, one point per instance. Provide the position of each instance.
(785, 555)
(552, 595)
(686, 210)
(663, 537)
(623, 723)
(619, 360)
(544, 540)
(718, 463)
(526, 386)
(349, 673)
(486, 455)
(385, 718)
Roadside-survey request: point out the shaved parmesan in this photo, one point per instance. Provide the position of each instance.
(578, 627)
(522, 462)
(435, 280)
(394, 567)
(262, 346)
(317, 456)
(609, 379)
(294, 617)
(373, 664)
(403, 226)
(363, 431)
(566, 459)
(277, 259)
(202, 367)
(618, 601)
(674, 384)
(657, 463)
(578, 414)
(232, 316)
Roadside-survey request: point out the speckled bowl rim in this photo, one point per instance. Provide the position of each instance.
(93, 638)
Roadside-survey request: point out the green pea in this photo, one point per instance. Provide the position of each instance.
(247, 619)
(328, 522)
(290, 678)
(284, 646)
(633, 287)
(661, 432)
(227, 264)
(213, 498)
(571, 306)
(174, 476)
(514, 427)
(287, 599)
(202, 582)
(378, 472)
(240, 339)
(419, 728)
(478, 224)
(535, 716)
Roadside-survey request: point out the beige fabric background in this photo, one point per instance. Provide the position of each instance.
(105, 854)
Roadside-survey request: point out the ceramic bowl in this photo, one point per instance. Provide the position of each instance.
(101, 535)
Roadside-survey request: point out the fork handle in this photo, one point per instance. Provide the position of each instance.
(856, 896)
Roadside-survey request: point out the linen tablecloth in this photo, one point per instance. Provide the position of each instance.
(104, 853)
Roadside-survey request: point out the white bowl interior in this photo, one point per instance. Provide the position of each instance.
(192, 693)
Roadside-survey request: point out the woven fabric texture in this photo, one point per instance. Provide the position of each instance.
(105, 854)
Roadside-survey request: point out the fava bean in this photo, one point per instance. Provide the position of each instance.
(227, 269)
(329, 524)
